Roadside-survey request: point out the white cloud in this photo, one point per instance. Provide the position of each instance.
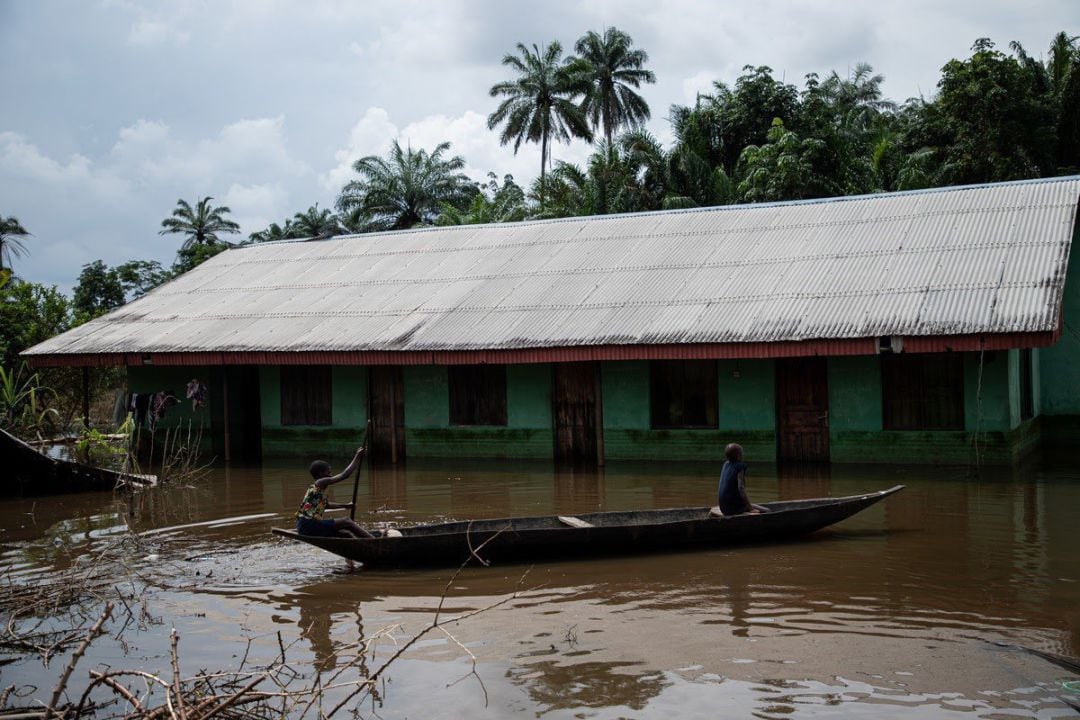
(245, 149)
(119, 200)
(149, 33)
(22, 161)
(698, 84)
(256, 206)
(371, 135)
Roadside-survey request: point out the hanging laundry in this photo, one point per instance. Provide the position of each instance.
(139, 405)
(196, 392)
(160, 402)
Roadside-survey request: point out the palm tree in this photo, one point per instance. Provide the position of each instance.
(11, 244)
(610, 67)
(856, 100)
(274, 232)
(539, 102)
(200, 225)
(314, 223)
(406, 189)
(1063, 53)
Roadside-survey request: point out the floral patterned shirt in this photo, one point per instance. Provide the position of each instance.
(314, 503)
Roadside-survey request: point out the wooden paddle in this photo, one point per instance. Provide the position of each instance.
(356, 481)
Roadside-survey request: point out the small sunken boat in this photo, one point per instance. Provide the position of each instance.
(524, 539)
(27, 472)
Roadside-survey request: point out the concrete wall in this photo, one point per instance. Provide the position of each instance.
(527, 434)
(1059, 369)
(747, 414)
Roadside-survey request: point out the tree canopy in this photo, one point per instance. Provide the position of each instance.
(405, 189)
(538, 105)
(201, 225)
(609, 70)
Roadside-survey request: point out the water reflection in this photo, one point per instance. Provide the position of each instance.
(554, 685)
(908, 596)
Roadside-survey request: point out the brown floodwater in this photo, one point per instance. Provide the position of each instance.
(921, 607)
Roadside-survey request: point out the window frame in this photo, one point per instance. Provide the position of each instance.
(711, 393)
(898, 391)
(466, 407)
(315, 411)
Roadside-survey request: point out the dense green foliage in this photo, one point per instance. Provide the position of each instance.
(996, 116)
(314, 223)
(493, 203)
(29, 313)
(101, 288)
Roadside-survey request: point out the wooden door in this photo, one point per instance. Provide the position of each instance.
(386, 401)
(576, 413)
(235, 415)
(802, 410)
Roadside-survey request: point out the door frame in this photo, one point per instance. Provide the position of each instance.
(781, 423)
(397, 412)
(598, 412)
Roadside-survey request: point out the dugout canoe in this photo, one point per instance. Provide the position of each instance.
(524, 539)
(27, 472)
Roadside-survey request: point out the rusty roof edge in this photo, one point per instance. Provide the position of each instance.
(694, 351)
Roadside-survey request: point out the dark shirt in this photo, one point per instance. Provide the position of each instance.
(730, 497)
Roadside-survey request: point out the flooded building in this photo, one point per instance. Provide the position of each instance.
(928, 326)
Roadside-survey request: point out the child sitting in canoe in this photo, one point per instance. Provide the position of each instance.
(309, 518)
(731, 496)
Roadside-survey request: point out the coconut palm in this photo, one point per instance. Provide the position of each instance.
(405, 189)
(11, 244)
(274, 232)
(538, 104)
(1063, 53)
(314, 223)
(200, 225)
(610, 66)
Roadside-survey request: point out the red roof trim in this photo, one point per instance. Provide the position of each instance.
(706, 351)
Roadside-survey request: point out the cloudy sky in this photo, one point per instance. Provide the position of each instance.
(113, 109)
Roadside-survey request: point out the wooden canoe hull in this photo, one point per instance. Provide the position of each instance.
(526, 539)
(26, 472)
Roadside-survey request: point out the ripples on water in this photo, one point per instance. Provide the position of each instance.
(894, 613)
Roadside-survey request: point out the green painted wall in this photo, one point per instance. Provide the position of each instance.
(747, 412)
(340, 438)
(746, 397)
(987, 404)
(1059, 369)
(855, 416)
(527, 433)
(151, 379)
(854, 395)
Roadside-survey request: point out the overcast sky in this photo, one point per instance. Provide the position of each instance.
(114, 109)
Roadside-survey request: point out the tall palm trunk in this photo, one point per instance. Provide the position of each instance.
(543, 167)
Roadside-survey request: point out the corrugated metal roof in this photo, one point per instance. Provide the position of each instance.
(956, 261)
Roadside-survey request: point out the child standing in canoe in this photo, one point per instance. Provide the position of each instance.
(309, 518)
